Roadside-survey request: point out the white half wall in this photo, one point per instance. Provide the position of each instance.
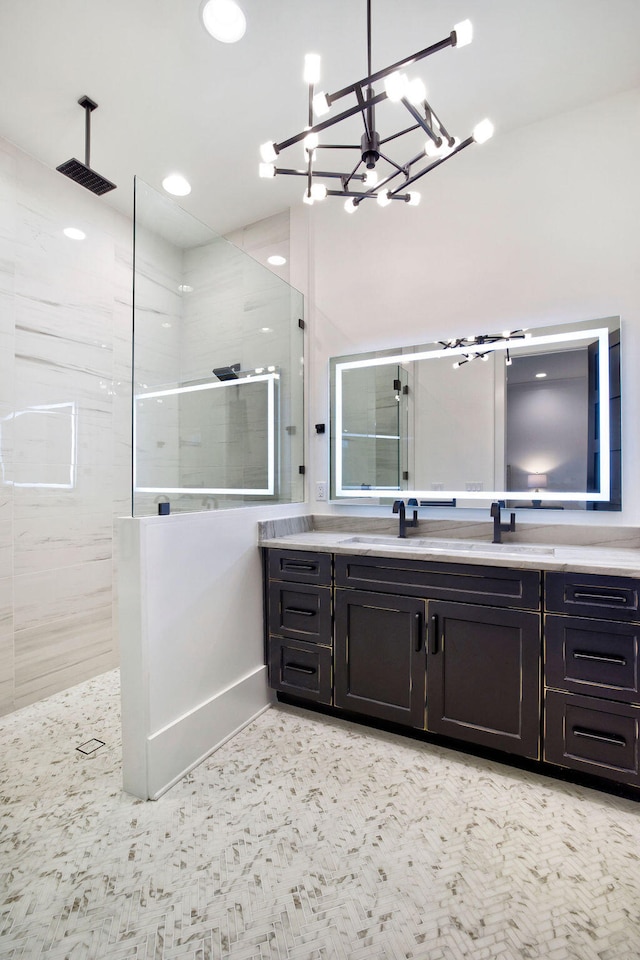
(192, 649)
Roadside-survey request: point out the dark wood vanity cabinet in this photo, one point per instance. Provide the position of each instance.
(380, 656)
(478, 677)
(461, 650)
(592, 692)
(299, 620)
(483, 677)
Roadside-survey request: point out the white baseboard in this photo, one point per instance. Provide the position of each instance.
(180, 746)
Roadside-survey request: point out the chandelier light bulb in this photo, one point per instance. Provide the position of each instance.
(414, 198)
(268, 151)
(350, 205)
(431, 148)
(320, 104)
(310, 141)
(395, 86)
(267, 170)
(483, 131)
(318, 191)
(416, 91)
(312, 68)
(370, 178)
(383, 198)
(464, 33)
(307, 198)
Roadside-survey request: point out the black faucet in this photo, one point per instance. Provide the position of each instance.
(403, 523)
(498, 527)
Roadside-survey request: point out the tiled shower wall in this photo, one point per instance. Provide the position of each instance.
(65, 358)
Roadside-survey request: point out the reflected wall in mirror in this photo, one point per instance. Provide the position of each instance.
(534, 420)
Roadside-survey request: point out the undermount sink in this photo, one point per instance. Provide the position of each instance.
(448, 546)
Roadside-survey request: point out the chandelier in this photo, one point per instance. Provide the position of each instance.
(485, 342)
(364, 181)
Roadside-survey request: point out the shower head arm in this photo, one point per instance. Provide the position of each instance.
(89, 105)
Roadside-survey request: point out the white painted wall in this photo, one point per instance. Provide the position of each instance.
(537, 226)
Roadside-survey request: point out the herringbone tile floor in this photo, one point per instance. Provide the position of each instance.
(304, 838)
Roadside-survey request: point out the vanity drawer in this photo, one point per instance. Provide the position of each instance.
(469, 583)
(300, 611)
(594, 657)
(595, 736)
(300, 669)
(591, 595)
(300, 566)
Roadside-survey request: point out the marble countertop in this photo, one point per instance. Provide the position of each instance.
(580, 558)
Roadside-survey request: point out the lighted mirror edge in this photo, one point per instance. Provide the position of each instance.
(602, 495)
(268, 378)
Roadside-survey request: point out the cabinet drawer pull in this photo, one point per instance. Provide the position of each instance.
(416, 622)
(298, 565)
(600, 657)
(602, 737)
(600, 597)
(434, 634)
(298, 668)
(300, 613)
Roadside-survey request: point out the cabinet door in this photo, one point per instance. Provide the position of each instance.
(379, 665)
(483, 676)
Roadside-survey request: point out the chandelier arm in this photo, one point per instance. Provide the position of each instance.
(364, 196)
(366, 118)
(324, 124)
(381, 74)
(422, 122)
(318, 173)
(434, 116)
(352, 176)
(338, 146)
(436, 163)
(400, 133)
(401, 169)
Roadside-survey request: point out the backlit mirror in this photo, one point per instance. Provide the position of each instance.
(531, 417)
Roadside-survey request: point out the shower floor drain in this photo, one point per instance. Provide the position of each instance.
(90, 746)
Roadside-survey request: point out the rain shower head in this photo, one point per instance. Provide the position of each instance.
(82, 172)
(227, 373)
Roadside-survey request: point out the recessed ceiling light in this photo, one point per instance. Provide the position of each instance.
(165, 324)
(540, 376)
(185, 288)
(266, 329)
(276, 260)
(176, 184)
(74, 234)
(224, 20)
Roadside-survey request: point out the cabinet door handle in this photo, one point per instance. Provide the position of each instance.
(434, 634)
(417, 619)
(300, 613)
(297, 668)
(600, 657)
(600, 597)
(601, 737)
(298, 565)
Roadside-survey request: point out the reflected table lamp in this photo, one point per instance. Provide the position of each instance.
(536, 482)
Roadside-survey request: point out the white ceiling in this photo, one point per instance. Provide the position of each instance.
(172, 98)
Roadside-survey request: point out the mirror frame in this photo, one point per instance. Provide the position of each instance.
(590, 331)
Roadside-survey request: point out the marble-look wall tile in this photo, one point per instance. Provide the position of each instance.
(54, 656)
(65, 353)
(50, 595)
(7, 665)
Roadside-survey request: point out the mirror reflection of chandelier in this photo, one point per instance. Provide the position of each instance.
(391, 180)
(486, 342)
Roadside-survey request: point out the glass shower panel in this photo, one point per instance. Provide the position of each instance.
(218, 369)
